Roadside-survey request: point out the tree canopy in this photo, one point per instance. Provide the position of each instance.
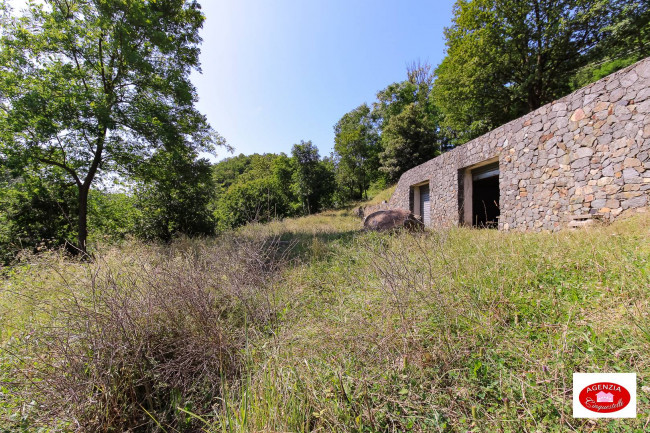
(90, 87)
(409, 122)
(356, 142)
(254, 188)
(506, 58)
(313, 182)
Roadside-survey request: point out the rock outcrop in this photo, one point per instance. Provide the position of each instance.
(392, 219)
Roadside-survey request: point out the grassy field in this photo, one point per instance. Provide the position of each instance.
(322, 327)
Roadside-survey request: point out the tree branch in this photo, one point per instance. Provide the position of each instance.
(63, 166)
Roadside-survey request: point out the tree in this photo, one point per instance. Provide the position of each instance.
(93, 86)
(628, 30)
(255, 188)
(357, 147)
(507, 58)
(313, 182)
(36, 207)
(411, 139)
(112, 215)
(174, 195)
(226, 171)
(409, 123)
(625, 39)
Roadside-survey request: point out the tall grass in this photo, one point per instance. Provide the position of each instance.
(444, 331)
(140, 337)
(455, 330)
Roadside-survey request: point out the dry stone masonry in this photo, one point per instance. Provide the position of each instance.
(586, 155)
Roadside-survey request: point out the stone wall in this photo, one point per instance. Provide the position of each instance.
(585, 154)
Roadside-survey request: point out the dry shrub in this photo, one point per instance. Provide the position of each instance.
(163, 328)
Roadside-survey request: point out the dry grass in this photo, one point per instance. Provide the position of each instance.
(138, 337)
(333, 222)
(446, 331)
(459, 330)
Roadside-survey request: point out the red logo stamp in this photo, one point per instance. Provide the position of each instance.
(604, 397)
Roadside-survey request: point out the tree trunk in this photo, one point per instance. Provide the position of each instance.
(82, 224)
(84, 189)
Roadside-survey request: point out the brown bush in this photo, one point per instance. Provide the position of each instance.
(162, 329)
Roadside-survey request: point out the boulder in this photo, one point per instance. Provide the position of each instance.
(392, 219)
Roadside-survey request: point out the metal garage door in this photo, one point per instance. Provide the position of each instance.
(425, 206)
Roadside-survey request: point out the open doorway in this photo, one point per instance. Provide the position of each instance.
(481, 195)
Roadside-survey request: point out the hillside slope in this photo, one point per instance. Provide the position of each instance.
(448, 330)
(454, 330)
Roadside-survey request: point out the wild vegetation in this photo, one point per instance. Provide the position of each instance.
(312, 325)
(89, 87)
(115, 150)
(144, 289)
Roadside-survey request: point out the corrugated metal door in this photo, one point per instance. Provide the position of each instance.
(486, 171)
(425, 206)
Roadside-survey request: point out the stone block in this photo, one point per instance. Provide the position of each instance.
(612, 84)
(580, 163)
(603, 181)
(642, 95)
(559, 106)
(578, 115)
(630, 173)
(631, 162)
(583, 152)
(635, 202)
(617, 94)
(643, 70)
(629, 79)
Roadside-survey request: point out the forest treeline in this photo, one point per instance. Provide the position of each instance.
(99, 138)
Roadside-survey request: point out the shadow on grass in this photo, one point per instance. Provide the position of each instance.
(314, 245)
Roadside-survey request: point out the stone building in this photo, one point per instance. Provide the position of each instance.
(583, 157)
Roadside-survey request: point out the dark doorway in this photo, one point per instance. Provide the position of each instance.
(485, 196)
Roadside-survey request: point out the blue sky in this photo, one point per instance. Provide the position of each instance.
(277, 72)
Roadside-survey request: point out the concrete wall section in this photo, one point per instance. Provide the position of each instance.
(585, 154)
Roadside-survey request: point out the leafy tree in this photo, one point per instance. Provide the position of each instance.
(625, 39)
(506, 58)
(92, 86)
(37, 209)
(332, 194)
(225, 172)
(259, 192)
(112, 215)
(254, 200)
(313, 182)
(174, 196)
(411, 138)
(409, 122)
(357, 147)
(627, 33)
